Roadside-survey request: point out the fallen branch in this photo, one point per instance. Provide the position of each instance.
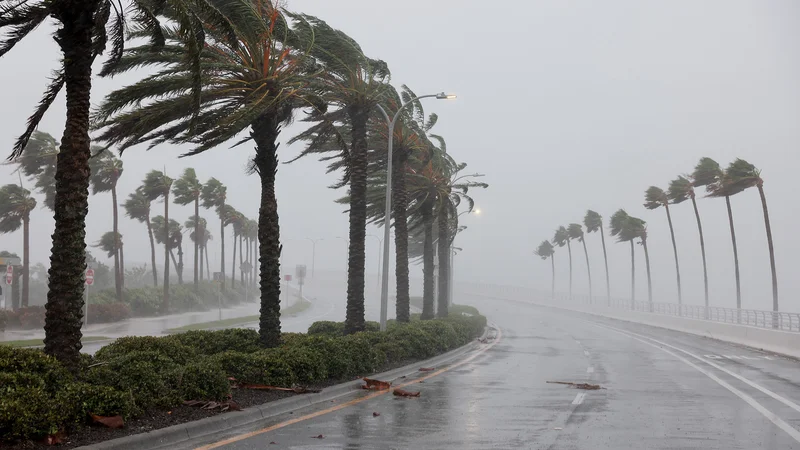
(403, 393)
(376, 385)
(585, 386)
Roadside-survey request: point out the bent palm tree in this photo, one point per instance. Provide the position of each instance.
(576, 232)
(561, 238)
(594, 222)
(38, 163)
(655, 198)
(110, 243)
(638, 228)
(187, 189)
(157, 184)
(16, 205)
(137, 207)
(620, 228)
(546, 250)
(214, 195)
(199, 236)
(680, 190)
(173, 241)
(105, 172)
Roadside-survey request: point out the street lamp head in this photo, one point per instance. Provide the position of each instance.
(477, 211)
(443, 96)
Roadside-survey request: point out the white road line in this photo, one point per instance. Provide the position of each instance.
(579, 398)
(585, 353)
(590, 369)
(772, 417)
(777, 397)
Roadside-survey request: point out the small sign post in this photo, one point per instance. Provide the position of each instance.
(300, 273)
(89, 280)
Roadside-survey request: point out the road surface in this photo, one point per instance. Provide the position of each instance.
(661, 390)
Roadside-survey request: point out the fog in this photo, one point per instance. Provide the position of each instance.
(564, 106)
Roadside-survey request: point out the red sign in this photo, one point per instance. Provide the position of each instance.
(287, 277)
(9, 269)
(89, 277)
(9, 279)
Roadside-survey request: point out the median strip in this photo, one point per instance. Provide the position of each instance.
(297, 308)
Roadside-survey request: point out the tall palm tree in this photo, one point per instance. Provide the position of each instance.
(187, 189)
(39, 164)
(546, 250)
(16, 205)
(638, 228)
(236, 221)
(105, 172)
(708, 173)
(352, 84)
(561, 238)
(741, 175)
(575, 232)
(137, 207)
(594, 222)
(157, 184)
(173, 241)
(110, 242)
(198, 234)
(84, 30)
(655, 198)
(264, 80)
(214, 195)
(620, 228)
(680, 190)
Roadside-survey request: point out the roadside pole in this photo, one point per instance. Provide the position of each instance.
(89, 280)
(300, 273)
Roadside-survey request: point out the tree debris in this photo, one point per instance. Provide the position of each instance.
(318, 437)
(297, 389)
(209, 405)
(427, 369)
(376, 385)
(110, 422)
(403, 393)
(375, 414)
(585, 386)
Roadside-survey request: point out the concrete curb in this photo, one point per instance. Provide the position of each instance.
(176, 434)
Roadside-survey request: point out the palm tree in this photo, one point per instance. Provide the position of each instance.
(173, 241)
(106, 170)
(137, 207)
(111, 243)
(264, 80)
(214, 195)
(39, 164)
(16, 205)
(187, 189)
(85, 28)
(620, 227)
(575, 232)
(198, 234)
(638, 228)
(708, 173)
(353, 84)
(546, 250)
(561, 238)
(236, 220)
(741, 175)
(654, 198)
(594, 222)
(680, 190)
(157, 184)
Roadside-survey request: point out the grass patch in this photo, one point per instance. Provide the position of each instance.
(297, 308)
(39, 342)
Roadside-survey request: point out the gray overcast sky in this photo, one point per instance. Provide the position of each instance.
(564, 105)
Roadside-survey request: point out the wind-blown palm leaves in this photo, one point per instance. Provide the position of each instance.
(353, 84)
(200, 236)
(156, 184)
(16, 205)
(213, 196)
(254, 82)
(575, 232)
(172, 241)
(545, 250)
(655, 198)
(39, 165)
(105, 172)
(680, 190)
(561, 238)
(110, 244)
(620, 228)
(594, 223)
(236, 220)
(137, 207)
(187, 189)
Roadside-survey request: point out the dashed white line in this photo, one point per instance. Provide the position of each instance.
(586, 353)
(590, 369)
(579, 398)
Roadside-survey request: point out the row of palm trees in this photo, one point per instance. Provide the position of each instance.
(718, 183)
(224, 67)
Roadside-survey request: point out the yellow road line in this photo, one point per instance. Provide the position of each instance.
(349, 403)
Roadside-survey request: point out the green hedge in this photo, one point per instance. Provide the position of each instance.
(135, 374)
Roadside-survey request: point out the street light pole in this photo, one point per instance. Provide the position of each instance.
(388, 212)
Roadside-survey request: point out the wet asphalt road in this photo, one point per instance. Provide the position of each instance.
(658, 395)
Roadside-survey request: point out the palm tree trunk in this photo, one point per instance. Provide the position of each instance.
(427, 261)
(735, 254)
(702, 251)
(675, 252)
(553, 283)
(444, 263)
(569, 251)
(633, 277)
(233, 263)
(264, 133)
(26, 258)
(122, 265)
(172, 257)
(588, 269)
(222, 249)
(605, 260)
(649, 281)
(200, 261)
(771, 251)
(400, 205)
(64, 306)
(152, 250)
(117, 268)
(165, 303)
(179, 266)
(208, 265)
(356, 260)
(197, 242)
(241, 254)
